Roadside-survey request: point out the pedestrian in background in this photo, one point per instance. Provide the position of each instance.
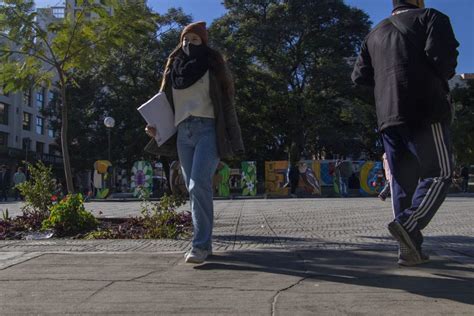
(18, 178)
(465, 179)
(200, 89)
(344, 171)
(408, 59)
(4, 183)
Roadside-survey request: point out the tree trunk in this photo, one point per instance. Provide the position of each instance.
(64, 140)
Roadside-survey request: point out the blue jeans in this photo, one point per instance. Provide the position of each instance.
(343, 185)
(197, 151)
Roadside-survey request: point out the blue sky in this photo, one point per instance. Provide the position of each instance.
(461, 13)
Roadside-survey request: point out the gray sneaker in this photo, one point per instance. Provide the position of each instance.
(196, 255)
(405, 242)
(408, 260)
(209, 253)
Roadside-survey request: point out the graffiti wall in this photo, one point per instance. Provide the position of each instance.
(276, 177)
(315, 178)
(142, 178)
(248, 182)
(277, 180)
(371, 177)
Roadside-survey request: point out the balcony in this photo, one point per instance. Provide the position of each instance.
(32, 156)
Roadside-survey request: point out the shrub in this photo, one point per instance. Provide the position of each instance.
(69, 216)
(157, 220)
(38, 190)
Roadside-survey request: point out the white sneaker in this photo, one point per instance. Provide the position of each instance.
(196, 255)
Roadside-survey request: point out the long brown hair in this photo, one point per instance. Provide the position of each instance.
(217, 65)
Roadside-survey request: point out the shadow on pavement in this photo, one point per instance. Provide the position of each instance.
(378, 269)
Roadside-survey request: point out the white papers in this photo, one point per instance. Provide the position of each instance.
(158, 113)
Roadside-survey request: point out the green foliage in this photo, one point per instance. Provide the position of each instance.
(161, 220)
(291, 66)
(5, 215)
(69, 216)
(463, 126)
(158, 220)
(39, 189)
(122, 80)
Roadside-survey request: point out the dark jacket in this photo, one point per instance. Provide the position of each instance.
(410, 82)
(229, 138)
(5, 180)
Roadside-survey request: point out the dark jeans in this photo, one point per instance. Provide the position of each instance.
(420, 160)
(3, 194)
(465, 184)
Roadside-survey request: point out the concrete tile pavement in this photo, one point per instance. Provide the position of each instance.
(273, 257)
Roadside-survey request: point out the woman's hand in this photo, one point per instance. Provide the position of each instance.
(151, 131)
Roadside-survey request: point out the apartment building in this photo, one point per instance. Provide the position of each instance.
(25, 132)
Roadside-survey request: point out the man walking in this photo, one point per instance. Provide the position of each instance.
(408, 59)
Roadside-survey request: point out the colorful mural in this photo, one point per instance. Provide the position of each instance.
(369, 184)
(221, 180)
(248, 181)
(102, 173)
(313, 176)
(275, 177)
(178, 186)
(142, 178)
(309, 181)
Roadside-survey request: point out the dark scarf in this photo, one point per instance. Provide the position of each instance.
(186, 70)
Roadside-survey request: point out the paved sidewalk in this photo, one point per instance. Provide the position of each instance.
(272, 257)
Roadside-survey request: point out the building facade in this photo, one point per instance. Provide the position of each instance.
(26, 133)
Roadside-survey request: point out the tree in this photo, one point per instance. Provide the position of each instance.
(463, 126)
(32, 55)
(129, 76)
(291, 61)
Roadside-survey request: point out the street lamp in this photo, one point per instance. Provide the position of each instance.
(109, 123)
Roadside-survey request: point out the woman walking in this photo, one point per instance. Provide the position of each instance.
(200, 89)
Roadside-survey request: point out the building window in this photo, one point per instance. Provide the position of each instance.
(50, 98)
(51, 130)
(39, 125)
(26, 121)
(3, 140)
(3, 113)
(40, 99)
(39, 147)
(27, 98)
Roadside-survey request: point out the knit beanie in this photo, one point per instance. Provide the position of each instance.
(416, 3)
(198, 28)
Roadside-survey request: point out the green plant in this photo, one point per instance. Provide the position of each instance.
(157, 220)
(162, 220)
(5, 216)
(70, 217)
(38, 190)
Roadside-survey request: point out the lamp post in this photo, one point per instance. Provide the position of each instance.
(109, 122)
